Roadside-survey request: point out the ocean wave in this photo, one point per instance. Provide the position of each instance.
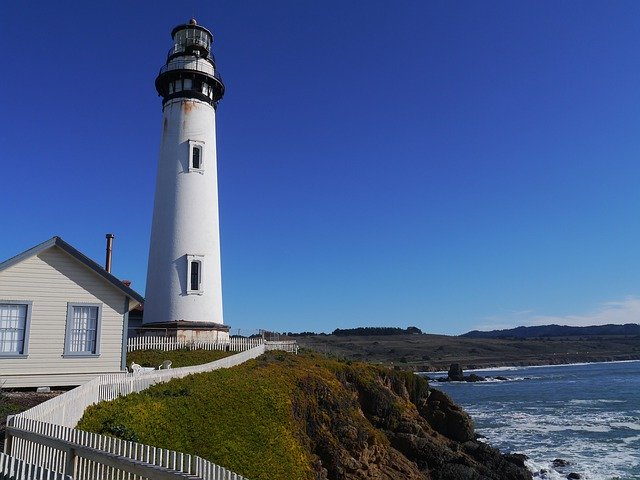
(628, 425)
(595, 401)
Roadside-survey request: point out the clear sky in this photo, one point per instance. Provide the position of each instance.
(448, 165)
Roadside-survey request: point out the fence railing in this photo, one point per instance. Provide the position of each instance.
(159, 342)
(13, 469)
(287, 345)
(83, 455)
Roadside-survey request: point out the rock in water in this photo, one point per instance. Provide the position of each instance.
(455, 373)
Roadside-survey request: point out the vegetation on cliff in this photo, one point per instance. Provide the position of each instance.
(307, 417)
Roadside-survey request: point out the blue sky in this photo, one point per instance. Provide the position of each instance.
(448, 165)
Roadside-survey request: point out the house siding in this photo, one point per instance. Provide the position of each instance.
(51, 280)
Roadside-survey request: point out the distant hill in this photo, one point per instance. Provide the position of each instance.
(547, 331)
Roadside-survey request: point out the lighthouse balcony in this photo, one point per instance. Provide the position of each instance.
(196, 64)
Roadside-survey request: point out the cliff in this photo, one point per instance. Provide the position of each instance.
(376, 423)
(307, 417)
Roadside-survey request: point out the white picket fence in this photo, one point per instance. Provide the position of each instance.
(286, 345)
(235, 344)
(89, 456)
(44, 435)
(13, 469)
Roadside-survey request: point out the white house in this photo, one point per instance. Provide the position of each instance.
(63, 318)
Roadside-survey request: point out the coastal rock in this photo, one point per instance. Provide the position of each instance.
(516, 458)
(574, 476)
(455, 373)
(447, 418)
(559, 463)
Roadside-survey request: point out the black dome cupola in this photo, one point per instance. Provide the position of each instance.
(190, 71)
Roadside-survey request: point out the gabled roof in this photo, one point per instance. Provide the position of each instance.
(79, 256)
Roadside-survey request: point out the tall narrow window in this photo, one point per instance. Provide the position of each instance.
(83, 326)
(194, 274)
(14, 322)
(196, 156)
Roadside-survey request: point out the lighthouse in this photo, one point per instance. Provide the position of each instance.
(184, 282)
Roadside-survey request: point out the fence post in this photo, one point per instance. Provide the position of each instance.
(71, 463)
(8, 438)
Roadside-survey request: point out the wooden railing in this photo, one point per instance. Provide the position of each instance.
(159, 342)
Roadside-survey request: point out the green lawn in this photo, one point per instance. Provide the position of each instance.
(179, 358)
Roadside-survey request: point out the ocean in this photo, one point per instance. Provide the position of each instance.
(586, 414)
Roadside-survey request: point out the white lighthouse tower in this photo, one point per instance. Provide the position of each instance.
(184, 291)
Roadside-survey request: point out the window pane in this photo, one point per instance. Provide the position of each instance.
(84, 329)
(195, 275)
(187, 84)
(12, 324)
(195, 155)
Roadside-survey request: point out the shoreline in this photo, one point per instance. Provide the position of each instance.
(519, 367)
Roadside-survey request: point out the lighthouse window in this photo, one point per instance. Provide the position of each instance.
(178, 85)
(205, 89)
(187, 84)
(194, 274)
(196, 156)
(170, 87)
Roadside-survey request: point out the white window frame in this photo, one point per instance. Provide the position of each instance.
(199, 145)
(200, 260)
(27, 324)
(70, 327)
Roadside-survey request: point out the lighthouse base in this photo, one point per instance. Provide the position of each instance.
(185, 332)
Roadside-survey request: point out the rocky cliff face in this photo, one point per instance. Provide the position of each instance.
(365, 422)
